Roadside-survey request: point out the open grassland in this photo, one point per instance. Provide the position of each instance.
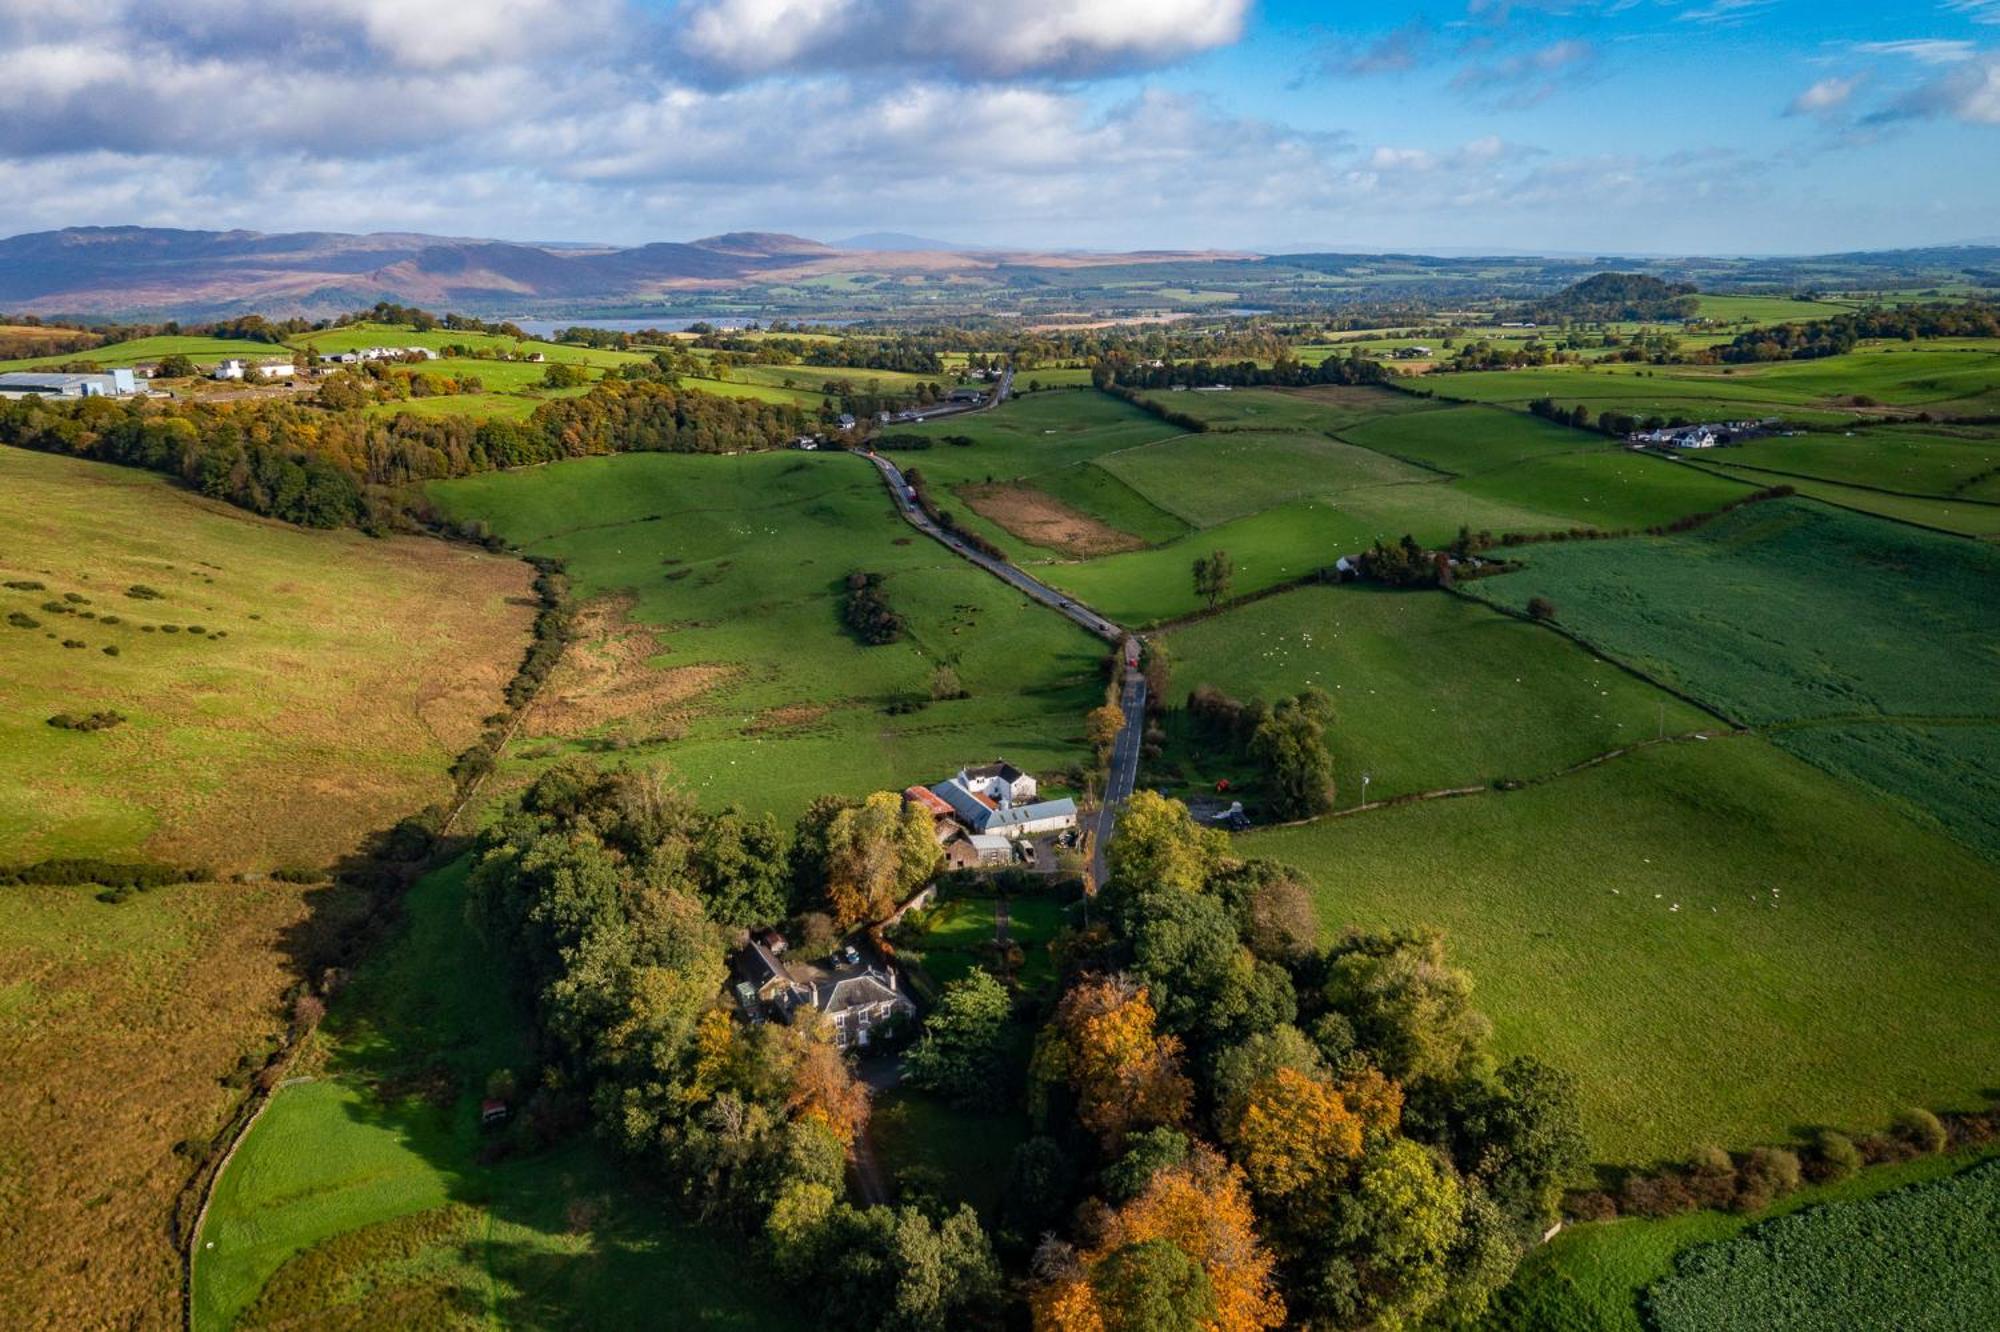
(117, 1026)
(1430, 690)
(1937, 461)
(716, 648)
(1756, 311)
(1465, 441)
(136, 351)
(1317, 409)
(1206, 480)
(1974, 514)
(1829, 1268)
(1723, 943)
(928, 1147)
(1610, 489)
(285, 692)
(1870, 647)
(360, 1198)
(1591, 1277)
(476, 406)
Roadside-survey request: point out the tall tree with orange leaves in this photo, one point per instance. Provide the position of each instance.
(1105, 1045)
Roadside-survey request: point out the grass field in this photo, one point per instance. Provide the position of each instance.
(202, 351)
(1315, 410)
(1956, 516)
(960, 1155)
(316, 1208)
(285, 692)
(117, 1025)
(1465, 441)
(1207, 480)
(354, 337)
(1933, 461)
(716, 648)
(1723, 943)
(1591, 1277)
(1429, 690)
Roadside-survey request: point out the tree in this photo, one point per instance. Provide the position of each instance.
(1291, 744)
(1103, 1044)
(738, 864)
(963, 1053)
(1541, 608)
(1157, 843)
(1523, 1134)
(565, 374)
(877, 855)
(1274, 909)
(175, 366)
(1153, 1286)
(1199, 1207)
(1409, 1006)
(1213, 574)
(1184, 946)
(1295, 1139)
(1101, 727)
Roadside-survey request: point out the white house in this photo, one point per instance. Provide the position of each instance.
(47, 384)
(235, 368)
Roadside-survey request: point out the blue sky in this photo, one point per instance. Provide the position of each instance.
(1607, 126)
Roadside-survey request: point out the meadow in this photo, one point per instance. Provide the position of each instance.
(202, 351)
(1430, 691)
(1957, 517)
(1721, 942)
(715, 647)
(283, 692)
(118, 1026)
(362, 1195)
(1315, 410)
(1937, 461)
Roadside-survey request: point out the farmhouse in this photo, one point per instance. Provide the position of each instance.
(855, 995)
(236, 368)
(999, 799)
(44, 384)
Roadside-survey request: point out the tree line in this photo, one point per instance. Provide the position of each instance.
(1832, 337)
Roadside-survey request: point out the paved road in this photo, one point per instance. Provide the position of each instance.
(1033, 587)
(1124, 768)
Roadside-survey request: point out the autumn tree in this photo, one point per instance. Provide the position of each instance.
(1104, 1045)
(877, 854)
(1199, 1209)
(1409, 1005)
(1157, 844)
(1101, 728)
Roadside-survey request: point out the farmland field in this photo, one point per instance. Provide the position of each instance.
(1973, 515)
(1702, 932)
(353, 337)
(1308, 409)
(1916, 460)
(1429, 690)
(715, 648)
(202, 351)
(360, 1195)
(284, 691)
(1591, 1278)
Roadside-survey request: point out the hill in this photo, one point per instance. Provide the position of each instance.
(1615, 297)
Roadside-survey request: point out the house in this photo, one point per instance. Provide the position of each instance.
(944, 824)
(236, 368)
(852, 993)
(1001, 799)
(967, 395)
(846, 421)
(47, 384)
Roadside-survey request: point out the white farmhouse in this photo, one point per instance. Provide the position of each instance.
(999, 800)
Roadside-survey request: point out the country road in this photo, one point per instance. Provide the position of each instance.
(1132, 697)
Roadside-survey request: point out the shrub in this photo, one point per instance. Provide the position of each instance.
(110, 619)
(196, 629)
(1592, 1205)
(69, 872)
(95, 721)
(1655, 1195)
(74, 643)
(1835, 1156)
(1541, 608)
(76, 599)
(1769, 1173)
(170, 628)
(868, 612)
(1712, 1177)
(26, 585)
(22, 620)
(140, 592)
(110, 649)
(1920, 1128)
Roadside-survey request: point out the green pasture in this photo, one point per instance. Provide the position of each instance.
(1208, 479)
(1430, 691)
(203, 352)
(354, 337)
(1722, 942)
(746, 687)
(1317, 409)
(1052, 377)
(1972, 515)
(1935, 461)
(1756, 311)
(1467, 440)
(390, 1130)
(1590, 1278)
(281, 688)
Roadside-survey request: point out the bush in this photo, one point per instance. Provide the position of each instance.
(95, 721)
(1769, 1173)
(1593, 1205)
(1921, 1129)
(26, 585)
(1541, 608)
(1835, 1156)
(1655, 1195)
(140, 592)
(868, 612)
(1712, 1178)
(70, 872)
(170, 628)
(110, 649)
(22, 620)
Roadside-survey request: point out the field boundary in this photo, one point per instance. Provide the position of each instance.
(1867, 513)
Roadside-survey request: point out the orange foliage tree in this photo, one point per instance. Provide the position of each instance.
(1200, 1207)
(1105, 1046)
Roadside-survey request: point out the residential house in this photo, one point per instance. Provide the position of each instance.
(857, 996)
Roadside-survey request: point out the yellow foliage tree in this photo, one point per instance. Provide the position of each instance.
(1125, 1074)
(877, 854)
(1295, 1134)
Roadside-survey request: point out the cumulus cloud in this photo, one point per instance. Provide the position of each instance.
(1968, 92)
(1826, 98)
(1026, 38)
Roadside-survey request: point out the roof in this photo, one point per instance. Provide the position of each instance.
(1004, 770)
(930, 800)
(863, 990)
(989, 842)
(55, 381)
(1035, 813)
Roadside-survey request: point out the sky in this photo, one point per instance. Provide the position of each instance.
(1600, 126)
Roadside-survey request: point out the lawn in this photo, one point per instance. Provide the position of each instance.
(715, 648)
(1429, 690)
(285, 692)
(117, 1026)
(1591, 1277)
(1722, 942)
(958, 937)
(963, 1156)
(388, 1132)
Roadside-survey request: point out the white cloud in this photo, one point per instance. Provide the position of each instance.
(1529, 77)
(1827, 97)
(1923, 50)
(1968, 92)
(1980, 11)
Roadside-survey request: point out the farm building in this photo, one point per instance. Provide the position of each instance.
(236, 368)
(999, 799)
(44, 384)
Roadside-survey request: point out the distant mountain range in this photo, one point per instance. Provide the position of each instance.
(158, 273)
